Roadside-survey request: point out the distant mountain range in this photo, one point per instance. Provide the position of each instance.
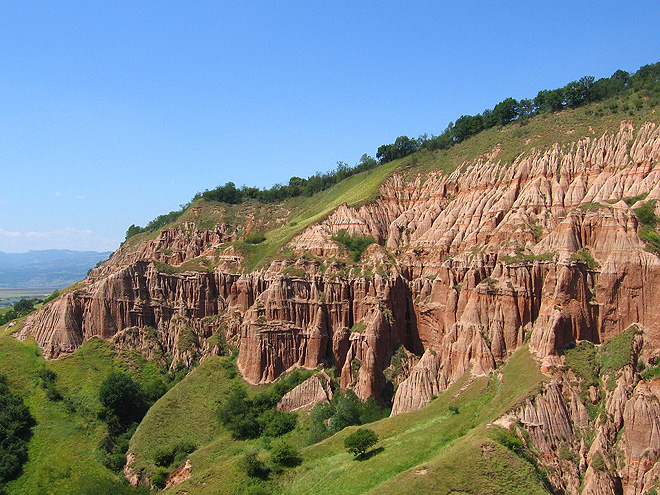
(52, 268)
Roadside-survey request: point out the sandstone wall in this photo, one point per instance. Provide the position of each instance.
(468, 265)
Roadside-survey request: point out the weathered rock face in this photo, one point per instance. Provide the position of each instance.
(482, 257)
(315, 390)
(422, 383)
(173, 246)
(604, 440)
(641, 439)
(451, 287)
(352, 324)
(467, 266)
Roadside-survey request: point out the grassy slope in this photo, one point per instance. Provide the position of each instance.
(433, 441)
(540, 132)
(63, 453)
(186, 412)
(355, 190)
(301, 212)
(426, 451)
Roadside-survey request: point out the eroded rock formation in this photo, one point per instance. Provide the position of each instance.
(466, 267)
(315, 390)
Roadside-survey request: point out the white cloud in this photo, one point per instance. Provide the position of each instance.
(58, 194)
(66, 238)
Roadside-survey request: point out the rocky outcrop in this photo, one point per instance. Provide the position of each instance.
(174, 246)
(180, 475)
(422, 384)
(595, 439)
(467, 265)
(350, 323)
(315, 390)
(641, 439)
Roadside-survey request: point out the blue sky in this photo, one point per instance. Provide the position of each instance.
(112, 113)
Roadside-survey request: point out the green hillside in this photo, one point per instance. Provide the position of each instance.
(64, 451)
(425, 451)
(434, 441)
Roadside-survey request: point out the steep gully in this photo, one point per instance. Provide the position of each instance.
(467, 268)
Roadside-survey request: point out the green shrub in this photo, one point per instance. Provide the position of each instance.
(344, 410)
(285, 455)
(652, 239)
(160, 478)
(230, 368)
(53, 296)
(274, 423)
(163, 457)
(15, 430)
(255, 238)
(153, 389)
(46, 378)
(618, 351)
(646, 214)
(510, 440)
(237, 415)
(123, 397)
(318, 418)
(115, 445)
(566, 453)
(294, 271)
(521, 257)
(583, 360)
(114, 461)
(174, 454)
(634, 199)
(597, 462)
(347, 412)
(253, 467)
(356, 244)
(584, 256)
(251, 418)
(360, 441)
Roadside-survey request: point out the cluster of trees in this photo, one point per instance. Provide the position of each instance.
(345, 409)
(231, 194)
(282, 455)
(400, 148)
(22, 308)
(124, 402)
(15, 430)
(297, 186)
(574, 94)
(158, 222)
(252, 417)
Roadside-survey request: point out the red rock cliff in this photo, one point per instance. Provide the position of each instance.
(467, 266)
